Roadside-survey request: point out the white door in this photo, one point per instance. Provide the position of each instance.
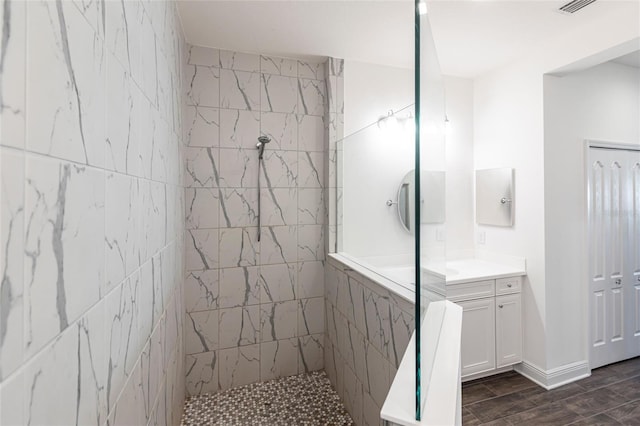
(614, 268)
(478, 336)
(508, 330)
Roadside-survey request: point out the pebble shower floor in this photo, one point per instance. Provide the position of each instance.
(305, 399)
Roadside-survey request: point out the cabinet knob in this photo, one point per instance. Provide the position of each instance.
(500, 306)
(509, 285)
(618, 281)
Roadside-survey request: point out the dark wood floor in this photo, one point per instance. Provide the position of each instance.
(611, 396)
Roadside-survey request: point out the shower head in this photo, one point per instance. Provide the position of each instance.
(262, 141)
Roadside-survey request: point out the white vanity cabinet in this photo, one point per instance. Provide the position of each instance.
(491, 324)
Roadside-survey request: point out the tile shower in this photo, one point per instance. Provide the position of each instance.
(131, 271)
(255, 310)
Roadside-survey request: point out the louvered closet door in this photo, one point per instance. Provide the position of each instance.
(614, 176)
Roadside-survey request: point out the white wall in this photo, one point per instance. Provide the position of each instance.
(371, 90)
(376, 160)
(601, 103)
(459, 152)
(509, 132)
(388, 159)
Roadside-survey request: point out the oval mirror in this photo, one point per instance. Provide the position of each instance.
(432, 190)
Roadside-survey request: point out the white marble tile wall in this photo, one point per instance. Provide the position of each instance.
(367, 332)
(92, 213)
(254, 309)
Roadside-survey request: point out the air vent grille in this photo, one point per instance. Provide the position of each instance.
(575, 5)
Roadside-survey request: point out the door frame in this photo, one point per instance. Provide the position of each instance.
(586, 294)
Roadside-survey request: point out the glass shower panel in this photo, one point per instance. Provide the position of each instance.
(375, 173)
(430, 191)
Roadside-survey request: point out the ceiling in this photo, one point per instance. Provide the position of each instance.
(472, 37)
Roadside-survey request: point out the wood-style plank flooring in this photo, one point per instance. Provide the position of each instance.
(611, 396)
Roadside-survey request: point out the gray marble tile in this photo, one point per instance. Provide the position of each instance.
(153, 218)
(278, 359)
(278, 66)
(11, 262)
(311, 316)
(12, 80)
(64, 204)
(278, 282)
(310, 279)
(201, 207)
(279, 320)
(12, 400)
(238, 247)
(279, 206)
(202, 85)
(202, 249)
(353, 395)
(313, 70)
(280, 169)
(239, 287)
(197, 55)
(239, 366)
(202, 373)
(311, 206)
(282, 128)
(239, 61)
(202, 126)
(377, 374)
(311, 130)
(202, 167)
(79, 381)
(239, 168)
(121, 227)
(310, 353)
(202, 290)
(311, 97)
(239, 90)
(238, 207)
(377, 321)
(239, 129)
(66, 109)
(278, 245)
(278, 94)
(122, 127)
(122, 315)
(129, 408)
(201, 332)
(310, 169)
(239, 326)
(310, 242)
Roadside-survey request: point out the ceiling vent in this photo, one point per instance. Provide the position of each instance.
(574, 6)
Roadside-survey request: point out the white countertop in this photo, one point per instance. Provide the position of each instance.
(473, 269)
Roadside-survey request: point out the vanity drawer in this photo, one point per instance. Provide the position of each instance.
(468, 291)
(508, 285)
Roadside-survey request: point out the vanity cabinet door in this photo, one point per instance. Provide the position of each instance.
(508, 330)
(478, 336)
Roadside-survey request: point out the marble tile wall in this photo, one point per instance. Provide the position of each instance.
(254, 309)
(91, 213)
(368, 330)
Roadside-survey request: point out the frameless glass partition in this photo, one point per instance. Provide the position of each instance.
(390, 198)
(375, 197)
(431, 123)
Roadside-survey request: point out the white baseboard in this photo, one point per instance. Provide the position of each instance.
(556, 377)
